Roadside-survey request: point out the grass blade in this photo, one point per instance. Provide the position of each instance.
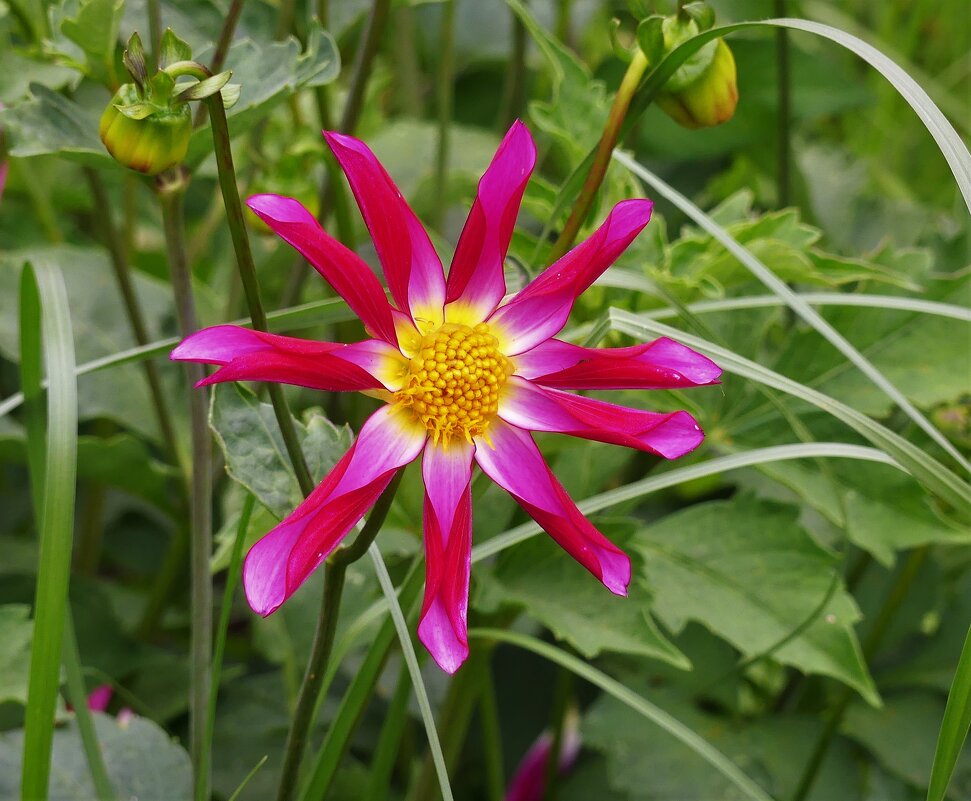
(927, 470)
(638, 703)
(794, 302)
(954, 727)
(638, 489)
(44, 298)
(411, 660)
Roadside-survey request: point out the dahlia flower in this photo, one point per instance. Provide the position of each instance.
(465, 375)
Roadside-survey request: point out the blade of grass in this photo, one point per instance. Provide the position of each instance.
(954, 727)
(927, 470)
(44, 299)
(638, 703)
(672, 478)
(794, 302)
(411, 660)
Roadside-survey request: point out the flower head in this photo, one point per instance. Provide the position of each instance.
(465, 375)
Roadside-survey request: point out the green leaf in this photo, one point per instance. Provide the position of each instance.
(901, 737)
(256, 457)
(95, 31)
(172, 49)
(954, 726)
(134, 60)
(749, 572)
(16, 629)
(552, 588)
(206, 88)
(143, 762)
(137, 111)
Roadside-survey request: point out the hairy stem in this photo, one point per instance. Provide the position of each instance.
(618, 111)
(170, 192)
(247, 274)
(334, 574)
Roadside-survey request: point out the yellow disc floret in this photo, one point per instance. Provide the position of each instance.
(454, 382)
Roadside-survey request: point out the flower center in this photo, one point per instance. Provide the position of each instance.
(454, 381)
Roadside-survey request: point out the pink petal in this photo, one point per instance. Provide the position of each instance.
(475, 279)
(411, 266)
(99, 698)
(529, 781)
(341, 268)
(542, 308)
(514, 462)
(4, 168)
(280, 562)
(247, 355)
(661, 364)
(443, 628)
(532, 407)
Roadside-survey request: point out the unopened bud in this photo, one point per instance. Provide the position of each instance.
(708, 100)
(146, 137)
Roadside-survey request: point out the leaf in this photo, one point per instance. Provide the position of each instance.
(954, 726)
(172, 49)
(16, 629)
(95, 31)
(902, 736)
(256, 457)
(749, 572)
(206, 88)
(552, 588)
(143, 762)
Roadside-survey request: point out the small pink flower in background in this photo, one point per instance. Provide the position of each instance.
(465, 373)
(529, 781)
(99, 698)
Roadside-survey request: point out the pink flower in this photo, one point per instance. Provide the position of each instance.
(100, 697)
(465, 374)
(529, 782)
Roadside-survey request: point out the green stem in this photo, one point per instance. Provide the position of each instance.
(514, 93)
(133, 309)
(598, 169)
(898, 592)
(562, 699)
(79, 700)
(334, 574)
(247, 274)
(389, 742)
(171, 569)
(154, 32)
(444, 92)
(170, 193)
(407, 72)
(222, 48)
(492, 738)
(783, 86)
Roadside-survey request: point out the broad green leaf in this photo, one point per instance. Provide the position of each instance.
(16, 629)
(646, 764)
(142, 760)
(749, 572)
(95, 31)
(256, 457)
(901, 736)
(553, 589)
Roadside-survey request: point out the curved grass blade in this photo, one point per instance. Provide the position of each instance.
(954, 727)
(638, 489)
(927, 470)
(43, 299)
(794, 302)
(411, 660)
(638, 703)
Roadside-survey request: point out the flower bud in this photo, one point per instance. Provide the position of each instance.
(144, 136)
(708, 100)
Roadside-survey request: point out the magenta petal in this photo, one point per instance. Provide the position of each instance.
(411, 266)
(529, 781)
(661, 364)
(247, 355)
(100, 697)
(514, 462)
(535, 408)
(443, 628)
(475, 279)
(341, 268)
(280, 562)
(542, 308)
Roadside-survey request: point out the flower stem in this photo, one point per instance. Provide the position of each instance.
(784, 143)
(222, 48)
(247, 274)
(895, 597)
(598, 169)
(334, 573)
(492, 738)
(514, 93)
(136, 319)
(154, 31)
(171, 190)
(444, 90)
(562, 698)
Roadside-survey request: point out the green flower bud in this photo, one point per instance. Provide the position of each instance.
(710, 99)
(142, 135)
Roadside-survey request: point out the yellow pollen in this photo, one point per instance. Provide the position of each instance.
(454, 382)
